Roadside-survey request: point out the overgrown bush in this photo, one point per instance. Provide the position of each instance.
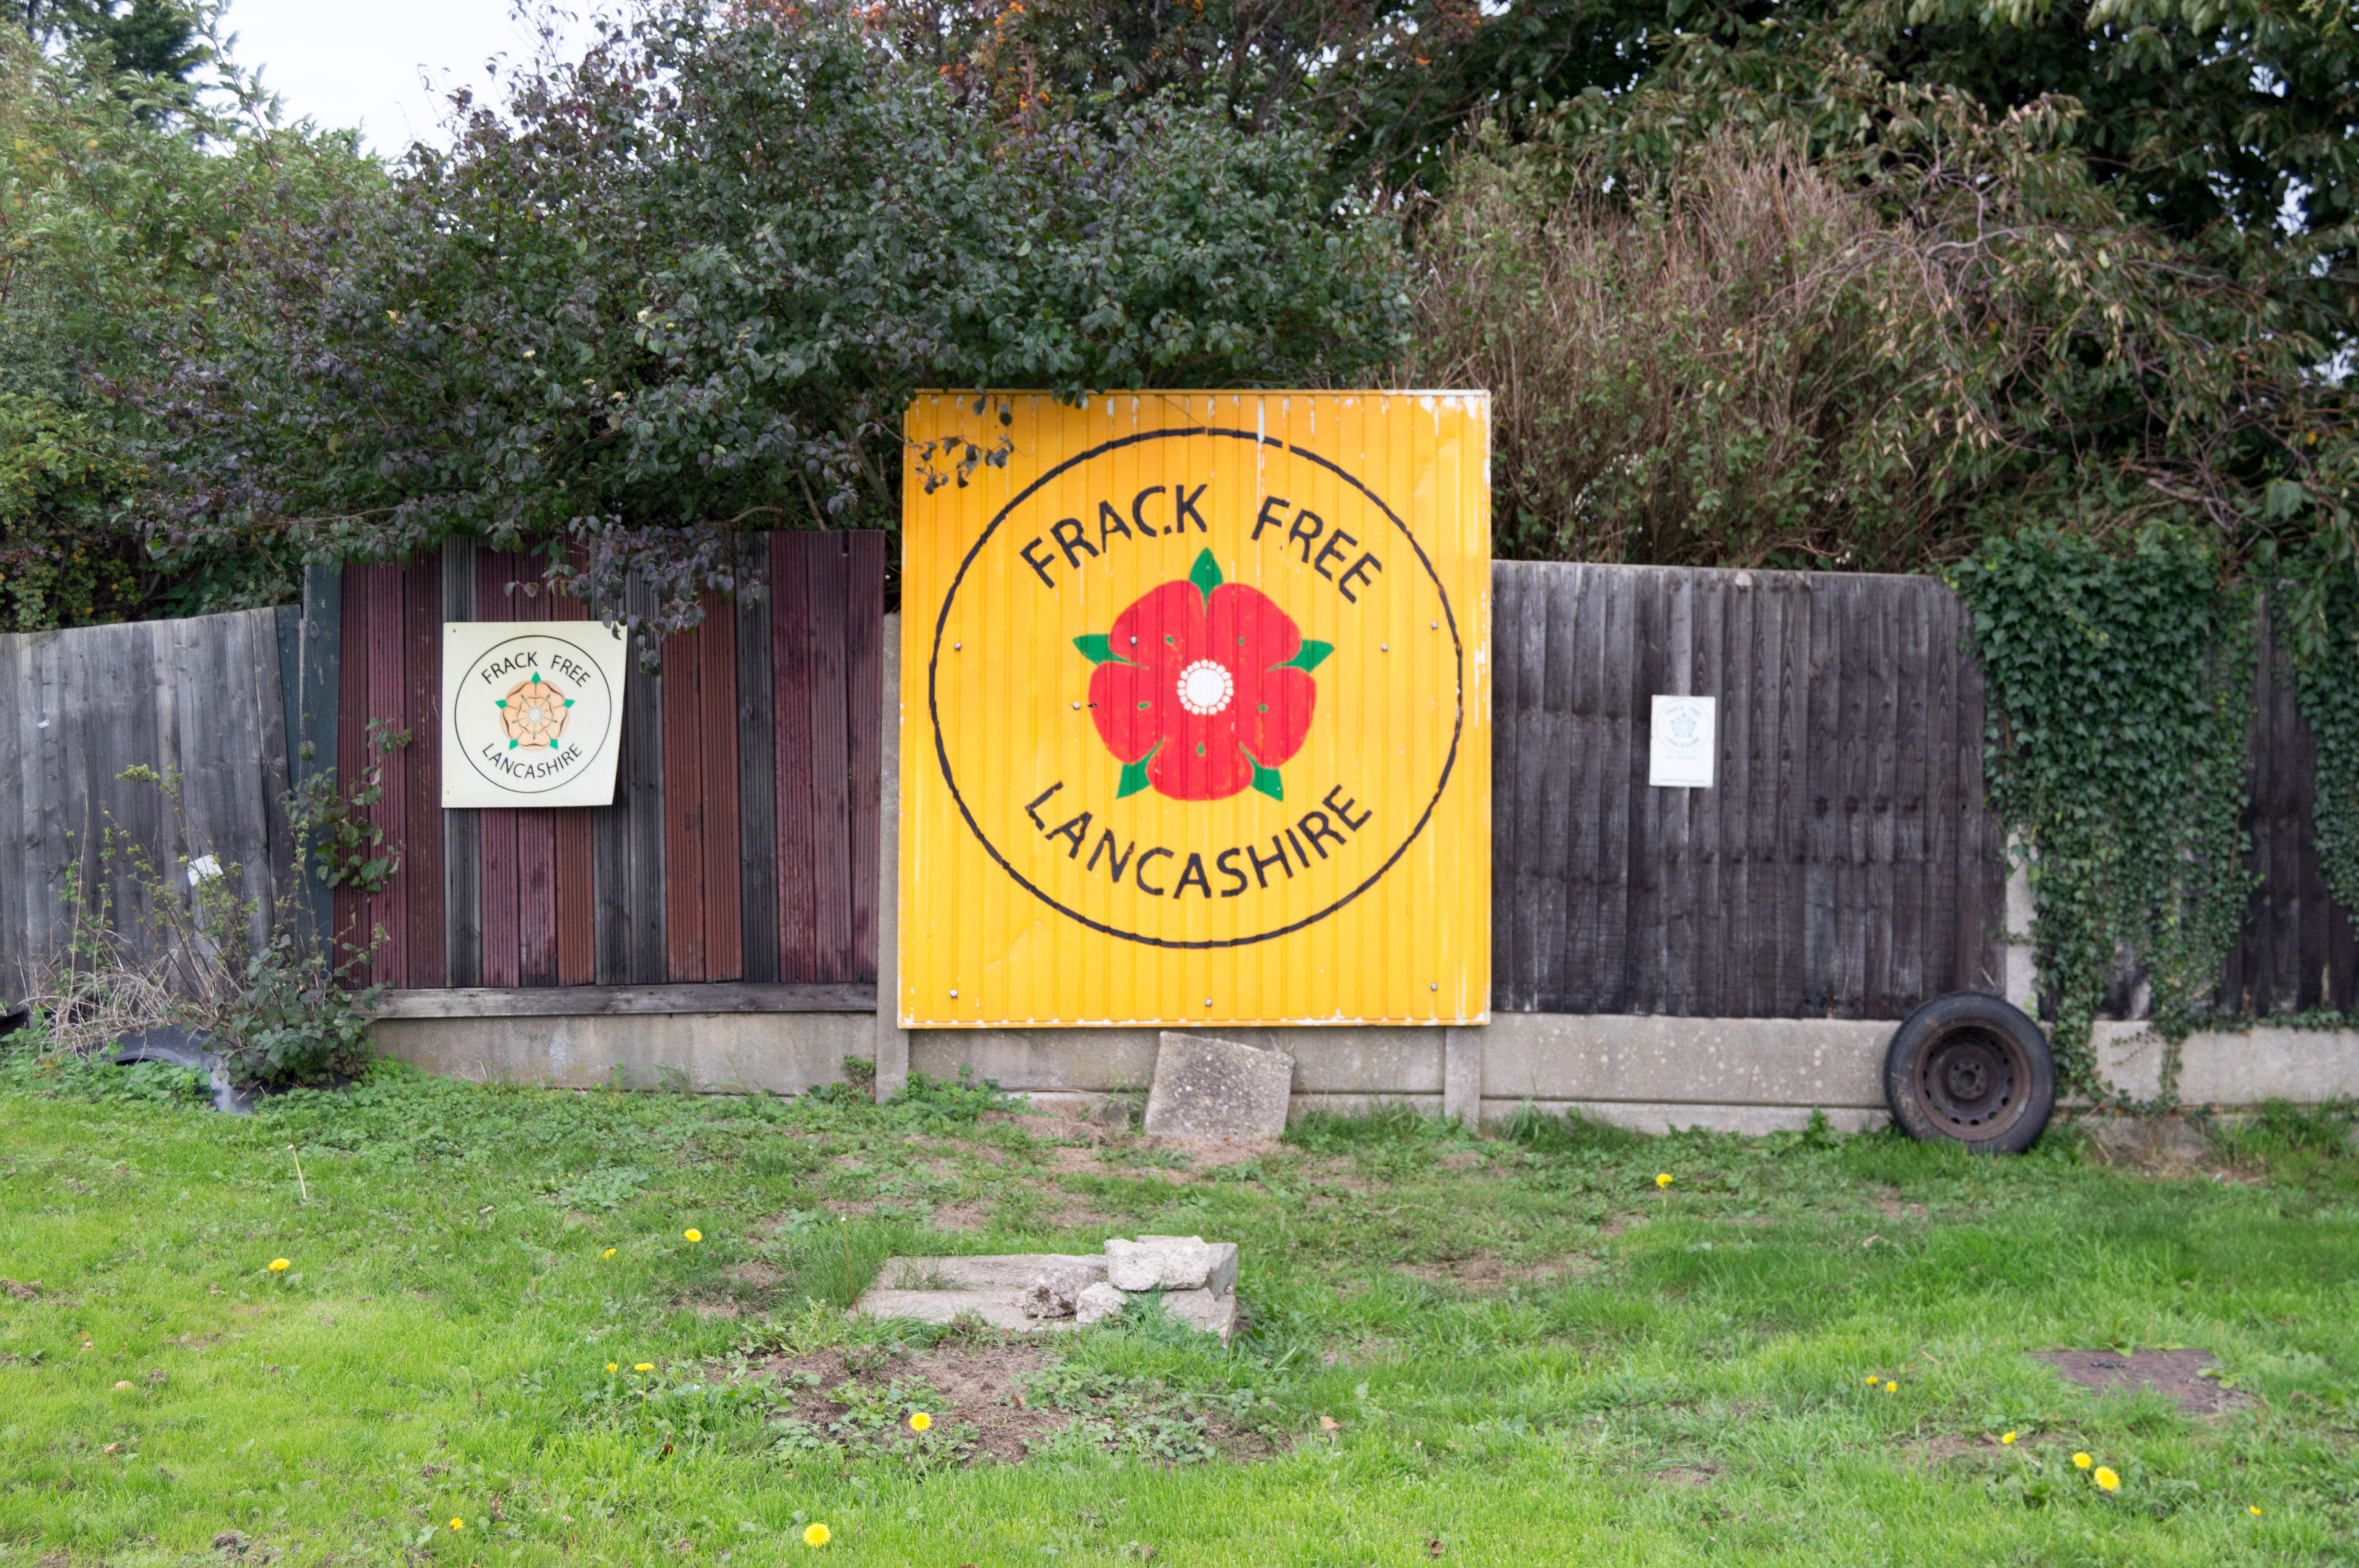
(687, 285)
(273, 998)
(1780, 309)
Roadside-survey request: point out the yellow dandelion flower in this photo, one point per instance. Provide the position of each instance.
(2107, 1480)
(2254, 1512)
(612, 1367)
(608, 1253)
(279, 1265)
(919, 1421)
(2083, 1461)
(2008, 1439)
(693, 1234)
(458, 1524)
(644, 1367)
(818, 1535)
(1663, 1180)
(1872, 1380)
(1891, 1387)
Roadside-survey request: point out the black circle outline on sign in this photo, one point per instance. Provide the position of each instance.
(941, 624)
(604, 685)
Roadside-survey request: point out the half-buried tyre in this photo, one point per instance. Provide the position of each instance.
(1971, 1069)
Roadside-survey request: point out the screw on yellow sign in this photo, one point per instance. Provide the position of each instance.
(1195, 722)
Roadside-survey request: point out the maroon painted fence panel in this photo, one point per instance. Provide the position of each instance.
(538, 871)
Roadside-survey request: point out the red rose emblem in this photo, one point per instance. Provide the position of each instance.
(1203, 687)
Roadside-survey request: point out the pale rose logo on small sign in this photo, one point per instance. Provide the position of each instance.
(530, 713)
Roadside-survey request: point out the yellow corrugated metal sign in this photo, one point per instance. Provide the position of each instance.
(1194, 707)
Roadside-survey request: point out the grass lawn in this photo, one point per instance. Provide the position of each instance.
(1511, 1350)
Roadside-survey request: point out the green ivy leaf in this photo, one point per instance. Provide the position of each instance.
(1205, 574)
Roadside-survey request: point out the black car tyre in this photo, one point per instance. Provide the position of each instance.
(1971, 1069)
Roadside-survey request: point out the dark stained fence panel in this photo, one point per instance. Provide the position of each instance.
(831, 760)
(1843, 864)
(863, 659)
(2298, 950)
(798, 828)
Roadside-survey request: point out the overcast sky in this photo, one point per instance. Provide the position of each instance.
(384, 67)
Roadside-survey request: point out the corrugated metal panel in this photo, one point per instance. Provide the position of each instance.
(1196, 715)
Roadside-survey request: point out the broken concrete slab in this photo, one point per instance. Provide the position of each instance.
(1056, 1290)
(999, 1309)
(1202, 1309)
(1211, 1089)
(1026, 1292)
(1220, 1279)
(996, 1309)
(995, 1272)
(1099, 1302)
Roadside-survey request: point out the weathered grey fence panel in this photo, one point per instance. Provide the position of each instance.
(1843, 865)
(200, 699)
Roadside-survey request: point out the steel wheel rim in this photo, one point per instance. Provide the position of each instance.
(1974, 1081)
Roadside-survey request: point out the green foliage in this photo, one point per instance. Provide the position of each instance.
(145, 39)
(690, 285)
(2120, 700)
(1774, 307)
(347, 843)
(125, 195)
(2326, 682)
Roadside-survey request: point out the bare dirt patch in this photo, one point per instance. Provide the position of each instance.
(709, 1309)
(1074, 1212)
(1205, 1154)
(1055, 1128)
(981, 1385)
(760, 1275)
(1684, 1475)
(1489, 1271)
(972, 1214)
(2177, 1374)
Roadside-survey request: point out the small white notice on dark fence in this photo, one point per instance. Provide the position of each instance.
(1685, 742)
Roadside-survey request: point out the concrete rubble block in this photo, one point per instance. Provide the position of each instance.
(1100, 1301)
(997, 1309)
(1220, 1279)
(1160, 1263)
(1055, 1291)
(1203, 1310)
(1012, 1272)
(1211, 1089)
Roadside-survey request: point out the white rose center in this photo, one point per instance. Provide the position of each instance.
(1205, 687)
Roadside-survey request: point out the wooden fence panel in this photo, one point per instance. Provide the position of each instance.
(2298, 950)
(717, 764)
(199, 700)
(1844, 863)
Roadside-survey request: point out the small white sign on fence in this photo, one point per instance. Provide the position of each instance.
(532, 712)
(1685, 742)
